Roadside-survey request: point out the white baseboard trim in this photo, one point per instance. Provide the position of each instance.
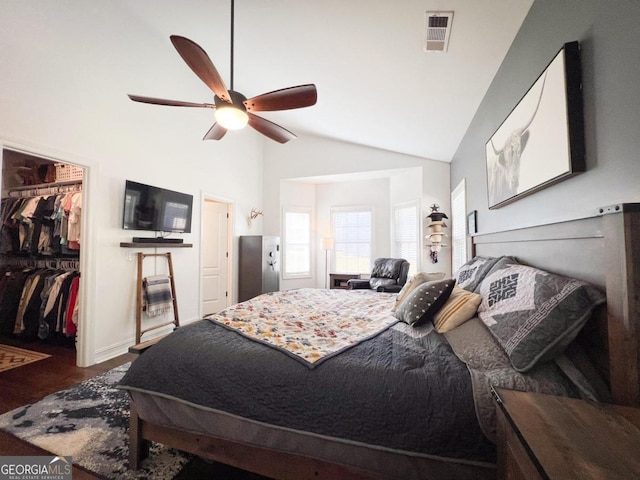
(120, 348)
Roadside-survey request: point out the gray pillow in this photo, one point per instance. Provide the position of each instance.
(469, 275)
(418, 279)
(424, 301)
(534, 314)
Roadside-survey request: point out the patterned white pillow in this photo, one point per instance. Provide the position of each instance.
(469, 275)
(534, 314)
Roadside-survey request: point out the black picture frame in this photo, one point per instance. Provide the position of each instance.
(472, 223)
(541, 142)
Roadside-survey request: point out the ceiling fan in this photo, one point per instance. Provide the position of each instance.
(232, 109)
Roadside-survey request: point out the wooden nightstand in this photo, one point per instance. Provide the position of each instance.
(548, 437)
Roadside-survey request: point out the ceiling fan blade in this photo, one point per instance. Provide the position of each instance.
(170, 103)
(270, 129)
(201, 64)
(284, 99)
(216, 132)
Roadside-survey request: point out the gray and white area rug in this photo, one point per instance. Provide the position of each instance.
(90, 422)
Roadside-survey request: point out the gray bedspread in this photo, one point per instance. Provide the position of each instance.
(403, 390)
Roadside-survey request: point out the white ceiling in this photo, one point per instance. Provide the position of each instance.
(376, 85)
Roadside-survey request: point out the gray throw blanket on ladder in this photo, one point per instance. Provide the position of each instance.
(157, 295)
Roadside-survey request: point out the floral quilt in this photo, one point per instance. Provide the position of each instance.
(310, 324)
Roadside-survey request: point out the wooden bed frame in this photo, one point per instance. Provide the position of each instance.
(603, 250)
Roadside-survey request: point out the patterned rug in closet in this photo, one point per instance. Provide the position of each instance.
(12, 357)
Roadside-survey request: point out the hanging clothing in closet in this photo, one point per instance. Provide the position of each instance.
(38, 302)
(46, 225)
(11, 286)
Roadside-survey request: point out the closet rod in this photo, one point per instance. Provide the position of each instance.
(44, 189)
(54, 263)
(45, 185)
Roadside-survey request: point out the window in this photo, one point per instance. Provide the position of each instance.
(352, 232)
(458, 226)
(406, 234)
(297, 243)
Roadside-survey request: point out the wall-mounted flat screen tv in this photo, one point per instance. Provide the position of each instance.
(156, 209)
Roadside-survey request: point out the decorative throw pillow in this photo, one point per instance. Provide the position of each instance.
(424, 301)
(460, 307)
(469, 275)
(534, 314)
(418, 279)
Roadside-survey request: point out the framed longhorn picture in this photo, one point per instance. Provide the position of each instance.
(541, 142)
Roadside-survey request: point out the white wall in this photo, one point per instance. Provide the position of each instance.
(372, 193)
(57, 100)
(313, 156)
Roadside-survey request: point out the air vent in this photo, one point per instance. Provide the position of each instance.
(437, 31)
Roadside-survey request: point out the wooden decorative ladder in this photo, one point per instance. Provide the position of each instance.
(140, 346)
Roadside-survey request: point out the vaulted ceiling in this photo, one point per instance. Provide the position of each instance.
(376, 85)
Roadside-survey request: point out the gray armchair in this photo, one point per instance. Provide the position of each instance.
(387, 275)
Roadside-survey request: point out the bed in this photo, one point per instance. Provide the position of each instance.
(379, 432)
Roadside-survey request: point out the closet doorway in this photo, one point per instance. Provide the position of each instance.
(215, 255)
(40, 250)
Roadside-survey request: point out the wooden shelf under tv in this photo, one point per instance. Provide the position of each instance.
(155, 245)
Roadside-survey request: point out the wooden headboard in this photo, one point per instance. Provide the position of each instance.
(603, 250)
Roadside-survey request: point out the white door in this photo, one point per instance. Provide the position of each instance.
(215, 265)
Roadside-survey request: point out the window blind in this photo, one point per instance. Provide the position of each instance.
(458, 226)
(406, 233)
(297, 243)
(352, 232)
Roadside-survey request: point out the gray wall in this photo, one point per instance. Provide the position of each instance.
(610, 39)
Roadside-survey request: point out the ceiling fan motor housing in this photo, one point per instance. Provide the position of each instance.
(237, 99)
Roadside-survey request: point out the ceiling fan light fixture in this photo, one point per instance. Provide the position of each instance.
(231, 117)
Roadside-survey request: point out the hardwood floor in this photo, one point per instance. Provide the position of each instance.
(30, 383)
